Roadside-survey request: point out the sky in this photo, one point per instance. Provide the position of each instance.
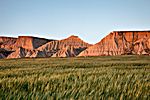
(91, 20)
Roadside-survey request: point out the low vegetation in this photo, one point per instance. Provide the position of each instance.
(114, 78)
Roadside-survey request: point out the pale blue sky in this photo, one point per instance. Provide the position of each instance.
(57, 19)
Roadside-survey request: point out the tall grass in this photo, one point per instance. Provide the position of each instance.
(114, 78)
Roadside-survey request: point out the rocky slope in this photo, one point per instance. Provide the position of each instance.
(26, 46)
(23, 46)
(68, 51)
(29, 42)
(68, 47)
(116, 43)
(7, 42)
(19, 53)
(4, 53)
(121, 43)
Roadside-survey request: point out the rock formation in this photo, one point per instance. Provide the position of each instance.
(19, 53)
(68, 51)
(38, 54)
(116, 43)
(70, 46)
(23, 46)
(7, 42)
(29, 42)
(26, 46)
(2, 56)
(4, 53)
(121, 43)
(26, 53)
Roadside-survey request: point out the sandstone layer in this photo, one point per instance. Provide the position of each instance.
(121, 43)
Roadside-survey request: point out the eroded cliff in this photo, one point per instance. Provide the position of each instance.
(121, 43)
(116, 43)
(23, 46)
(68, 47)
(7, 42)
(30, 43)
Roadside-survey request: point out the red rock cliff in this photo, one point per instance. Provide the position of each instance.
(7, 42)
(29, 42)
(121, 43)
(61, 46)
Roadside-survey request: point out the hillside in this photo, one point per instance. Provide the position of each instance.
(121, 43)
(115, 43)
(28, 46)
(7, 42)
(68, 47)
(18, 47)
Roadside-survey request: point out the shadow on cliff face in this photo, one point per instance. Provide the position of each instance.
(4, 53)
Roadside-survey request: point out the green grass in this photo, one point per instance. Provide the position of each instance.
(112, 78)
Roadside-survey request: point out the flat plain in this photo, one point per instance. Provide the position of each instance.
(98, 78)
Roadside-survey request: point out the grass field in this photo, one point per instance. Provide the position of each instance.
(106, 78)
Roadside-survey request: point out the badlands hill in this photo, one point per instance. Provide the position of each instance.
(27, 42)
(115, 43)
(7, 42)
(69, 47)
(30, 43)
(121, 43)
(27, 46)
(14, 47)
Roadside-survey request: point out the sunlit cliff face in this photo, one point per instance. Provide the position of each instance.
(121, 43)
(116, 43)
(28, 46)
